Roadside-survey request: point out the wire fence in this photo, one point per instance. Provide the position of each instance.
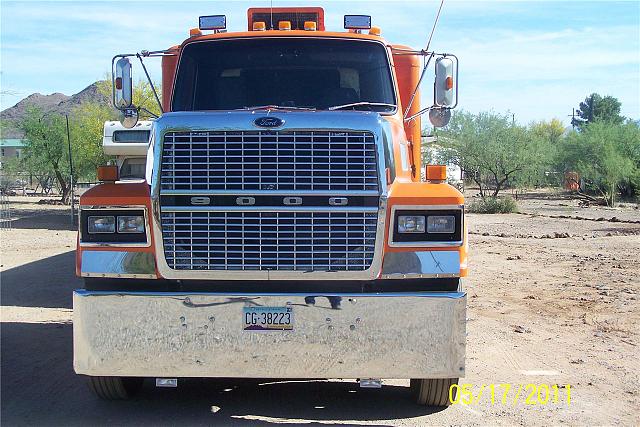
(25, 185)
(5, 213)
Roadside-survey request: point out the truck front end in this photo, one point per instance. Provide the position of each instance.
(283, 229)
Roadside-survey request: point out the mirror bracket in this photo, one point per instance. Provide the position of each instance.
(122, 86)
(442, 110)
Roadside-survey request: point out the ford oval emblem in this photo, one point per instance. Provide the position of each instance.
(268, 122)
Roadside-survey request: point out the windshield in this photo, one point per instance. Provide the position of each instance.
(285, 72)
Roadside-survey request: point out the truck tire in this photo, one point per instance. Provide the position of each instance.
(433, 392)
(115, 388)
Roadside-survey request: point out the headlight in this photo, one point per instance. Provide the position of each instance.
(441, 224)
(428, 226)
(411, 224)
(113, 226)
(131, 224)
(101, 224)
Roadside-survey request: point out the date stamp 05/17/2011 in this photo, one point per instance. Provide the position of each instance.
(510, 394)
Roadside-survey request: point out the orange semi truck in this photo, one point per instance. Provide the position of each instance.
(283, 228)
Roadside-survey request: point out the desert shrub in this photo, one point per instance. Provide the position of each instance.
(607, 157)
(495, 152)
(493, 205)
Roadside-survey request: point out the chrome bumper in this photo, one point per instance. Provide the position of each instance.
(412, 335)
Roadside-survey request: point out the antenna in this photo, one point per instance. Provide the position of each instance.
(271, 15)
(426, 65)
(434, 25)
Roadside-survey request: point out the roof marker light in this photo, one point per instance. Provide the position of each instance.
(194, 32)
(310, 26)
(357, 22)
(259, 26)
(213, 22)
(375, 31)
(284, 25)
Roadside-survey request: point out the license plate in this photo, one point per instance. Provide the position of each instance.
(267, 318)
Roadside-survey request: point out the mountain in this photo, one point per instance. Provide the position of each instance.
(54, 103)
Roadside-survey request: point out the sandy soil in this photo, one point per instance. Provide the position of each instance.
(553, 299)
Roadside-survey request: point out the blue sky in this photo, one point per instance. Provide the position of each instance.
(535, 59)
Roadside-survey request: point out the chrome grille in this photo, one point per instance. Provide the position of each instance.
(269, 160)
(297, 241)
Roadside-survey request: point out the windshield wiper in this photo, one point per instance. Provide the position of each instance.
(274, 107)
(362, 104)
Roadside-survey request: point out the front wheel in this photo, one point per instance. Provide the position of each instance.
(433, 392)
(115, 388)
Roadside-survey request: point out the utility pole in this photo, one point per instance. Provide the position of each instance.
(71, 170)
(573, 118)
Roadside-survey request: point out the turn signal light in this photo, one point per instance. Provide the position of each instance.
(259, 26)
(284, 25)
(309, 26)
(108, 173)
(436, 173)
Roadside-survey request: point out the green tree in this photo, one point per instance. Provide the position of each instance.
(494, 152)
(551, 131)
(550, 135)
(47, 147)
(598, 108)
(628, 141)
(606, 155)
(87, 126)
(9, 173)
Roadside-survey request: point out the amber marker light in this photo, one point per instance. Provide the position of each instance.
(375, 31)
(448, 82)
(436, 173)
(284, 25)
(259, 26)
(107, 173)
(195, 32)
(309, 26)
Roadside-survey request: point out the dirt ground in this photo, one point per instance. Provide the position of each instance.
(553, 299)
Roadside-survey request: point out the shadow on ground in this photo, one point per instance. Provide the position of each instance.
(39, 386)
(54, 220)
(48, 282)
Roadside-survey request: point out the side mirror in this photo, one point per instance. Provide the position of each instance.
(439, 117)
(444, 84)
(129, 117)
(122, 85)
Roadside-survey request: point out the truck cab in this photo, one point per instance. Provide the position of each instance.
(283, 228)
